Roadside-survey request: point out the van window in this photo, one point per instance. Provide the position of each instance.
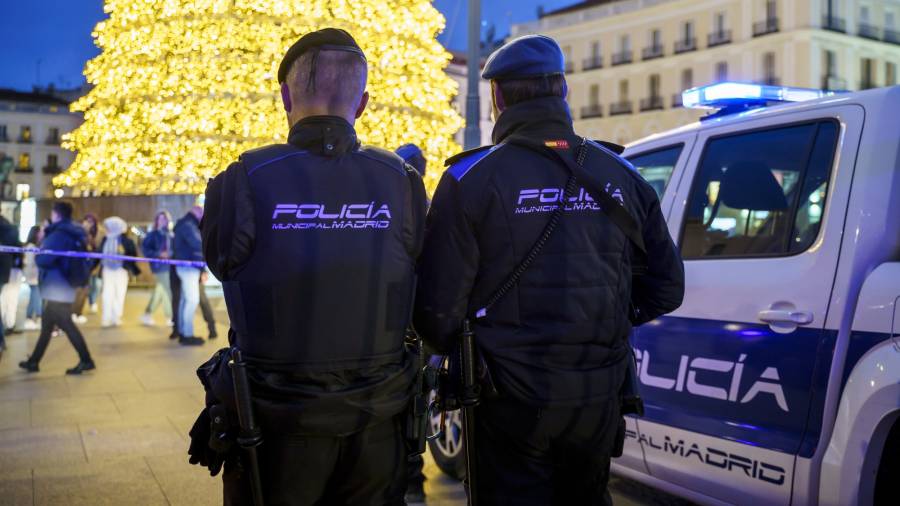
(657, 166)
(760, 193)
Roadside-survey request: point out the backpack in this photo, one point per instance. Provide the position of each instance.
(77, 270)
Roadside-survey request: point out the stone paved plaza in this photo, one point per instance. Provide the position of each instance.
(118, 435)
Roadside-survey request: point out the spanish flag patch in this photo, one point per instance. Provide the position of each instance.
(557, 144)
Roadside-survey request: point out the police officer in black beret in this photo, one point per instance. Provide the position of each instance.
(554, 338)
(315, 242)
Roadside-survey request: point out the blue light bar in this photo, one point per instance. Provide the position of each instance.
(730, 97)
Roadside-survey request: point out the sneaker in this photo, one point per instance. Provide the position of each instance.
(94, 308)
(147, 320)
(213, 334)
(29, 366)
(171, 323)
(31, 325)
(81, 367)
(81, 319)
(190, 341)
(55, 333)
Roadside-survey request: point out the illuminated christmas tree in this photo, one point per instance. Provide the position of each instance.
(182, 87)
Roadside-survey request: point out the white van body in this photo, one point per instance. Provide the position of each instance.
(778, 380)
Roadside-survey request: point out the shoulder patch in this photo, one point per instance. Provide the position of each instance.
(463, 164)
(459, 156)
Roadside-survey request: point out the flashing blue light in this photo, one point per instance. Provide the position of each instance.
(730, 97)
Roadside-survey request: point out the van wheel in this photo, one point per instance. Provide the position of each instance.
(887, 483)
(448, 450)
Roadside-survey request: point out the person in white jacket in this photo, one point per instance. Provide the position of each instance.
(114, 273)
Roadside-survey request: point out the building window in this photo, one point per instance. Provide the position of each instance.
(623, 90)
(890, 73)
(688, 41)
(867, 73)
(594, 94)
(653, 100)
(830, 80)
(593, 109)
(595, 61)
(25, 162)
(719, 35)
(52, 166)
(25, 135)
(624, 53)
(687, 82)
(770, 23)
(721, 73)
(655, 48)
(866, 28)
(3, 137)
(53, 136)
(830, 19)
(890, 31)
(769, 76)
(623, 106)
(567, 57)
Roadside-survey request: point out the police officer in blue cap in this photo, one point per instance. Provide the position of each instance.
(553, 248)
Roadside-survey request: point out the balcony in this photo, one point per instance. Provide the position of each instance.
(24, 169)
(676, 100)
(51, 169)
(834, 24)
(833, 83)
(652, 103)
(24, 139)
(718, 38)
(685, 45)
(891, 36)
(594, 62)
(868, 31)
(649, 53)
(570, 67)
(867, 83)
(52, 140)
(592, 111)
(766, 27)
(622, 57)
(4, 138)
(620, 107)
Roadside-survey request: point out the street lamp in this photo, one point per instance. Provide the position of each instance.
(473, 104)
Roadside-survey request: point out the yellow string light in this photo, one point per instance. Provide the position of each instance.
(182, 87)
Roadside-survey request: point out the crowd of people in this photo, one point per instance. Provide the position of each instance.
(59, 302)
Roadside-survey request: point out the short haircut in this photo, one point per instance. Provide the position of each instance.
(515, 91)
(63, 209)
(335, 80)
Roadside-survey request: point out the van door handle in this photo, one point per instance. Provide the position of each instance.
(786, 316)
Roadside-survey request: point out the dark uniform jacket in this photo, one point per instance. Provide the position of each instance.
(316, 243)
(187, 242)
(154, 245)
(559, 338)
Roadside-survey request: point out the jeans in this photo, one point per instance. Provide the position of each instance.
(190, 298)
(207, 311)
(162, 294)
(93, 289)
(34, 302)
(58, 314)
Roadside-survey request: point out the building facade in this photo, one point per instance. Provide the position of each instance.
(629, 60)
(31, 128)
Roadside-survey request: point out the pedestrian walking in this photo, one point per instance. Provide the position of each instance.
(10, 276)
(30, 271)
(551, 247)
(158, 244)
(319, 300)
(115, 273)
(89, 292)
(188, 246)
(57, 275)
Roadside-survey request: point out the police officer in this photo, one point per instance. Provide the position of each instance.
(315, 241)
(555, 346)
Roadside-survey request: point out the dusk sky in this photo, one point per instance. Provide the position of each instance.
(48, 41)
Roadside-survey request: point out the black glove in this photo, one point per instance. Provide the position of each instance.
(212, 440)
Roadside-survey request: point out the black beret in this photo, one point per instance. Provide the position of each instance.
(329, 39)
(525, 57)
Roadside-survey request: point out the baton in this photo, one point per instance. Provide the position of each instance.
(469, 400)
(250, 436)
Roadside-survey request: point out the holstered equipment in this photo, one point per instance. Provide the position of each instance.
(250, 435)
(425, 382)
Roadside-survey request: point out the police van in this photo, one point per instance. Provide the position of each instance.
(778, 379)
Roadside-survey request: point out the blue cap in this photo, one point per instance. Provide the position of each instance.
(411, 154)
(528, 56)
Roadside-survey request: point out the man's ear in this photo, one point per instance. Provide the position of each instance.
(286, 97)
(362, 104)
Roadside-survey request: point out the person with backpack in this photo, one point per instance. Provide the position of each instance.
(58, 278)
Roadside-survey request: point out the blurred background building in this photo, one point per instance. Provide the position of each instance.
(457, 70)
(629, 60)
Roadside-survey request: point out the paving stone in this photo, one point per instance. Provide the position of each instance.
(32, 386)
(130, 438)
(17, 487)
(155, 404)
(185, 484)
(15, 414)
(108, 382)
(73, 410)
(24, 449)
(111, 483)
